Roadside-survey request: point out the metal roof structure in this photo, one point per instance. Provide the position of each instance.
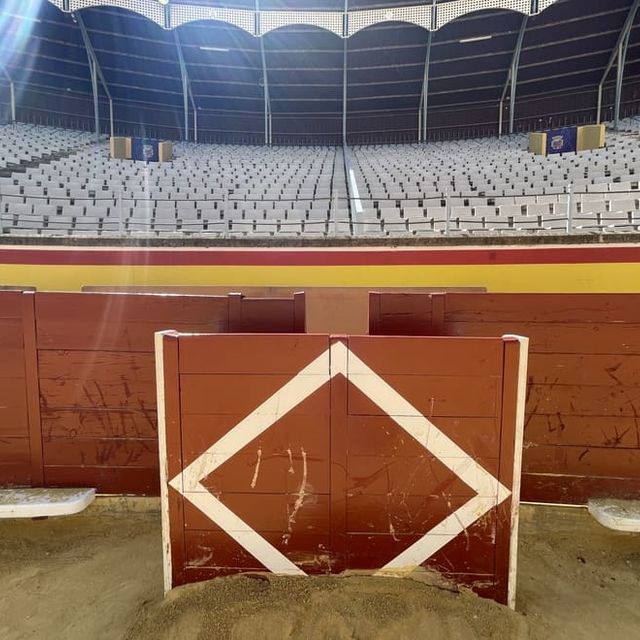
(151, 56)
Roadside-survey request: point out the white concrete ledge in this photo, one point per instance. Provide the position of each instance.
(39, 503)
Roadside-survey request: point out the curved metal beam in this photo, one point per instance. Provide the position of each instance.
(512, 78)
(96, 73)
(619, 53)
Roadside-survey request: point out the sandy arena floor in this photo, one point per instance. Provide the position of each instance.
(98, 576)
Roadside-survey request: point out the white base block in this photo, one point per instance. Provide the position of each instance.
(38, 503)
(620, 515)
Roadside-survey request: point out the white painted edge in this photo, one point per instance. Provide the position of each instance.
(50, 507)
(164, 467)
(354, 190)
(517, 466)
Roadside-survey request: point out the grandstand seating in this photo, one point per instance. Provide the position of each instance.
(68, 186)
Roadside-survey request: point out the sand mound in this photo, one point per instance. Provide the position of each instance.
(354, 607)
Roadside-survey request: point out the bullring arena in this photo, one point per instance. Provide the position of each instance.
(319, 320)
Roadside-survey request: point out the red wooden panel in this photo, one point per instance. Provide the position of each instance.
(270, 512)
(473, 552)
(439, 356)
(13, 394)
(571, 430)
(587, 338)
(14, 422)
(400, 314)
(541, 307)
(584, 401)
(366, 437)
(585, 370)
(220, 394)
(94, 364)
(582, 461)
(11, 333)
(275, 469)
(249, 354)
(15, 461)
(109, 480)
(434, 396)
(569, 489)
(98, 423)
(94, 452)
(263, 315)
(11, 363)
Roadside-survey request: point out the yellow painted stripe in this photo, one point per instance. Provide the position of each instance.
(541, 278)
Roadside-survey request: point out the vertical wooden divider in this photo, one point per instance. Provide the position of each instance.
(374, 313)
(338, 454)
(438, 303)
(514, 383)
(33, 387)
(234, 311)
(170, 449)
(299, 312)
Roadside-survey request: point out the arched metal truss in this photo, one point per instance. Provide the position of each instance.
(343, 23)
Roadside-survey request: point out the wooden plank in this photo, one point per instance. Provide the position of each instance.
(370, 435)
(418, 476)
(543, 307)
(582, 461)
(568, 489)
(401, 314)
(10, 304)
(109, 480)
(102, 308)
(14, 422)
(11, 363)
(572, 430)
(11, 333)
(249, 354)
(585, 369)
(15, 461)
(96, 365)
(98, 423)
(263, 315)
(216, 551)
(560, 338)
(470, 553)
(420, 357)
(13, 394)
(110, 334)
(124, 393)
(100, 452)
(278, 513)
(583, 401)
(435, 396)
(167, 356)
(32, 387)
(220, 394)
(397, 513)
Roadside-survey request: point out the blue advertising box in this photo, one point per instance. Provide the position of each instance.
(145, 149)
(563, 140)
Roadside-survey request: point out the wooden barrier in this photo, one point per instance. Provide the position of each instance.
(316, 454)
(78, 376)
(582, 437)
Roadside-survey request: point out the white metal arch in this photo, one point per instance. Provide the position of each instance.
(257, 23)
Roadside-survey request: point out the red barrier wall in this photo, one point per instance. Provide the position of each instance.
(582, 437)
(315, 454)
(79, 380)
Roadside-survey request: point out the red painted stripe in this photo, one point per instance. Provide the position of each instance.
(322, 257)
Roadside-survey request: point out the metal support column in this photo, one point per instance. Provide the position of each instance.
(345, 38)
(515, 65)
(619, 53)
(187, 93)
(265, 80)
(424, 97)
(96, 73)
(94, 90)
(12, 93)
